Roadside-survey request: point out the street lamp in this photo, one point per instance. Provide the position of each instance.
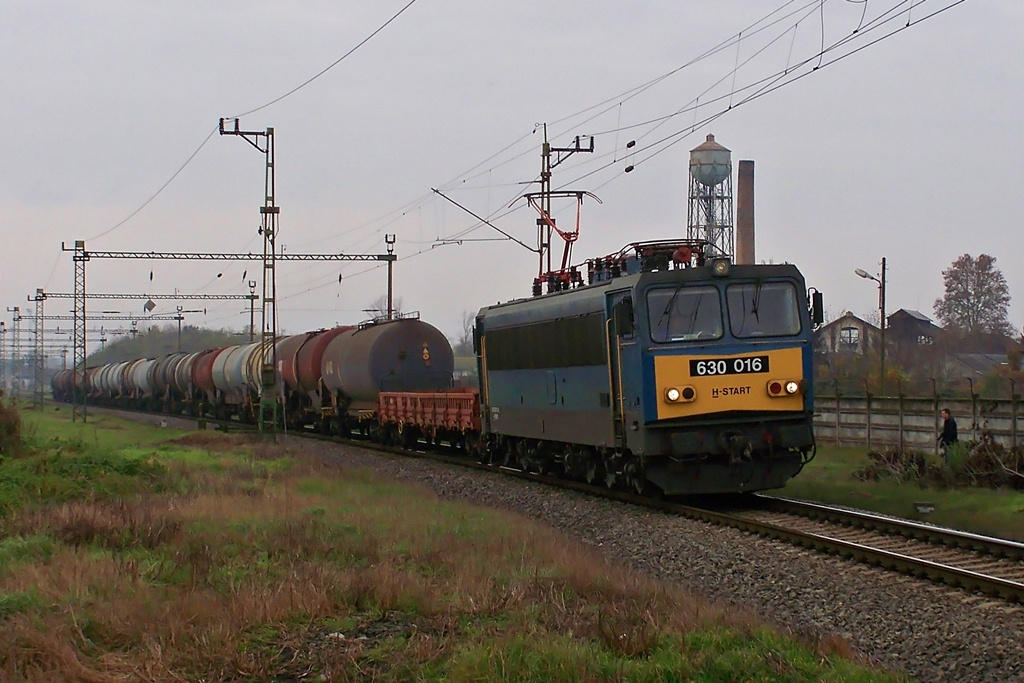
(881, 309)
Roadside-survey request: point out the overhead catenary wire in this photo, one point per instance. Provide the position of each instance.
(764, 86)
(675, 138)
(333, 64)
(751, 29)
(759, 87)
(261, 107)
(157, 193)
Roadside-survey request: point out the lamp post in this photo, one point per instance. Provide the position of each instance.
(881, 309)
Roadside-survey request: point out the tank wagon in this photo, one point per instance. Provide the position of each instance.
(327, 378)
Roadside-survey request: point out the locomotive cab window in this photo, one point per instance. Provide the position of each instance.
(763, 309)
(684, 314)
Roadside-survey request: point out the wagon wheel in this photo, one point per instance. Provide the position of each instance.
(409, 438)
(488, 453)
(472, 446)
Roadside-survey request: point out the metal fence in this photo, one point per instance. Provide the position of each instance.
(913, 423)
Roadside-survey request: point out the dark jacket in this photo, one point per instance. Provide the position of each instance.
(948, 435)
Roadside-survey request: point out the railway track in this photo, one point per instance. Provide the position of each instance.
(969, 561)
(979, 563)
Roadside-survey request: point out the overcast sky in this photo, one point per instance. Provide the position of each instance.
(910, 148)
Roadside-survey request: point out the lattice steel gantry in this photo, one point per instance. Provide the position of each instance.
(3, 357)
(40, 355)
(79, 407)
(15, 353)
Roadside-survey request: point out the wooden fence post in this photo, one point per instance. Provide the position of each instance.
(839, 441)
(1013, 414)
(899, 395)
(867, 412)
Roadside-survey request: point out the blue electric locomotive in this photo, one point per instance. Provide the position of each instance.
(665, 373)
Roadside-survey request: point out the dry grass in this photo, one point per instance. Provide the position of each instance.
(118, 524)
(10, 429)
(252, 572)
(215, 442)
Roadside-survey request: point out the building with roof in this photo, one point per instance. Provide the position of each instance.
(847, 334)
(909, 328)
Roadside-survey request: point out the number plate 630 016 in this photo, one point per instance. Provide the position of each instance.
(707, 367)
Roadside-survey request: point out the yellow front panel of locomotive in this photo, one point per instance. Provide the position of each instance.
(724, 392)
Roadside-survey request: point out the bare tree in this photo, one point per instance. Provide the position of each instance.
(379, 307)
(976, 298)
(462, 343)
(466, 335)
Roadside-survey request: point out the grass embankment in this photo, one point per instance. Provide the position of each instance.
(829, 479)
(129, 552)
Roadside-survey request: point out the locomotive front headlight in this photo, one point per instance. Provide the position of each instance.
(792, 387)
(672, 394)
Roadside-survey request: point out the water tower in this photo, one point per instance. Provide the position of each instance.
(709, 216)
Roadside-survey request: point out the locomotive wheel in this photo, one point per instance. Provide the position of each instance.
(507, 455)
(592, 471)
(535, 465)
(635, 479)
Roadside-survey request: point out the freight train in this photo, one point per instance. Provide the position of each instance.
(665, 373)
(328, 378)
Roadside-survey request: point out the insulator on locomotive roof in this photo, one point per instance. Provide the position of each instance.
(682, 255)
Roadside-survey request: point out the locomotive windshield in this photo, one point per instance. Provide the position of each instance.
(763, 309)
(685, 313)
(755, 309)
